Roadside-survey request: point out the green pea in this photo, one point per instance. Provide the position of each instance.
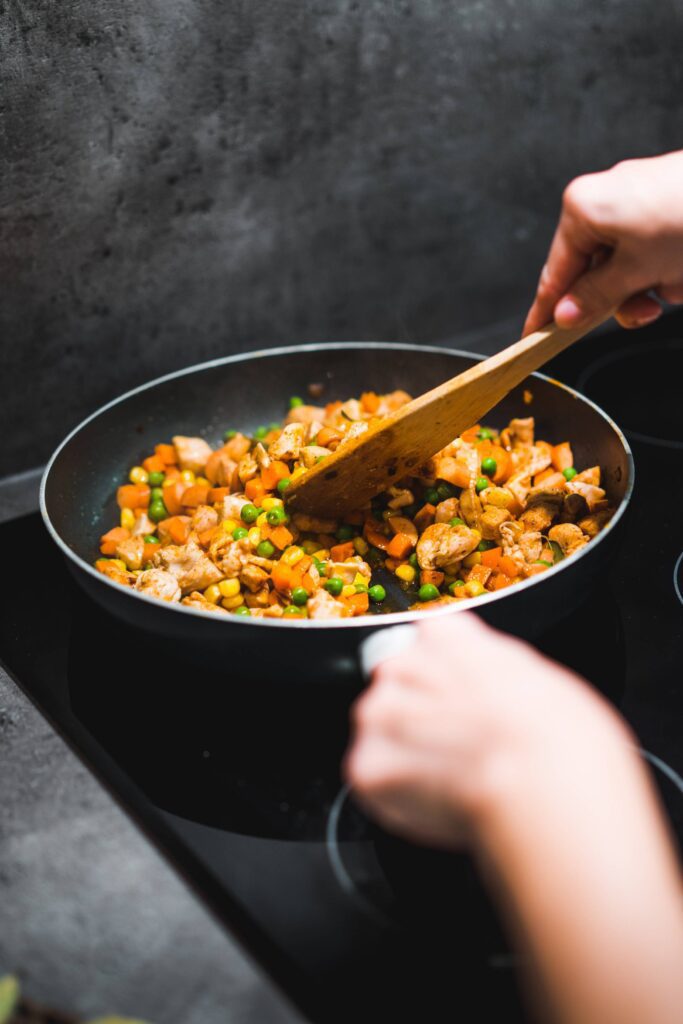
(260, 433)
(454, 584)
(456, 521)
(149, 538)
(377, 593)
(489, 466)
(486, 545)
(283, 484)
(229, 434)
(156, 494)
(445, 491)
(249, 513)
(362, 588)
(320, 566)
(274, 426)
(276, 516)
(239, 532)
(334, 586)
(242, 610)
(345, 533)
(265, 549)
(569, 473)
(294, 611)
(542, 561)
(428, 592)
(299, 596)
(481, 484)
(432, 496)
(412, 560)
(156, 479)
(295, 402)
(157, 511)
(485, 434)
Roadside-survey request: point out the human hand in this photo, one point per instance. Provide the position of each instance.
(462, 720)
(620, 235)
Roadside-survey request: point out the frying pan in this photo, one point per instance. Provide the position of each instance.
(79, 487)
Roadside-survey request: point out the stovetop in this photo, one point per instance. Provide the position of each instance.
(237, 780)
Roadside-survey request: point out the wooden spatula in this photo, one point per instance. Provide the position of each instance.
(362, 467)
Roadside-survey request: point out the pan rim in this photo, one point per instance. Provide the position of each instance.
(362, 621)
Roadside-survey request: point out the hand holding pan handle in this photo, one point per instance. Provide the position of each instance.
(385, 643)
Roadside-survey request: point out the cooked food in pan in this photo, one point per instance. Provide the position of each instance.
(210, 528)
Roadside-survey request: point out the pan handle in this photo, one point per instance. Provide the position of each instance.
(385, 643)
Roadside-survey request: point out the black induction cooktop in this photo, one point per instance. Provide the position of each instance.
(236, 778)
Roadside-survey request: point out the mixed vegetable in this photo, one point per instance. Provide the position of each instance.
(210, 528)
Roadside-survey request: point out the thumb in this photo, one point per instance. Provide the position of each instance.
(596, 292)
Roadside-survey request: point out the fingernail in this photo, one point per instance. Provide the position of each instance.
(568, 313)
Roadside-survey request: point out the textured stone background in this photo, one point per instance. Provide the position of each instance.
(184, 178)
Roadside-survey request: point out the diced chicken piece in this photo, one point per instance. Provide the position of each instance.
(531, 545)
(392, 401)
(323, 606)
(233, 505)
(230, 556)
(574, 507)
(312, 430)
(116, 573)
(491, 521)
(521, 431)
(197, 600)
(236, 447)
(399, 497)
(447, 510)
(542, 508)
(347, 571)
(220, 468)
(441, 545)
(519, 485)
(273, 611)
(193, 569)
(163, 531)
(313, 524)
(261, 456)
(130, 551)
(569, 536)
(143, 525)
(288, 445)
(304, 414)
(533, 460)
(311, 453)
(193, 452)
(253, 577)
(247, 468)
(589, 476)
(158, 583)
(470, 507)
(592, 524)
(258, 598)
(522, 547)
(499, 497)
(400, 524)
(354, 430)
(590, 492)
(205, 518)
(352, 409)
(555, 480)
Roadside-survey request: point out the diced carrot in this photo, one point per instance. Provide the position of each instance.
(431, 576)
(216, 494)
(369, 400)
(551, 479)
(358, 603)
(206, 536)
(153, 464)
(470, 436)
(102, 564)
(328, 438)
(282, 577)
(491, 558)
(172, 473)
(425, 517)
(255, 491)
(400, 546)
(374, 537)
(272, 474)
(340, 552)
(281, 537)
(535, 570)
(497, 581)
(452, 471)
(172, 492)
(480, 573)
(109, 540)
(545, 447)
(507, 566)
(489, 450)
(166, 453)
(307, 582)
(133, 496)
(196, 495)
(177, 528)
(148, 552)
(540, 477)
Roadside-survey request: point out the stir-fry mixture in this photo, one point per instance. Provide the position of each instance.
(210, 528)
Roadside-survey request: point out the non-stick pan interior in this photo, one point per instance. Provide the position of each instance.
(246, 391)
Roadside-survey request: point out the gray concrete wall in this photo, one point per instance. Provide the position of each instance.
(185, 178)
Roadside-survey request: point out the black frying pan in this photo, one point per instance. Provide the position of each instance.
(79, 487)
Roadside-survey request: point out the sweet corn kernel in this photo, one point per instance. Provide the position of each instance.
(406, 573)
(299, 471)
(212, 594)
(229, 525)
(203, 481)
(262, 520)
(472, 560)
(348, 591)
(292, 555)
(254, 536)
(232, 602)
(269, 503)
(474, 588)
(138, 475)
(136, 572)
(359, 578)
(127, 518)
(476, 533)
(360, 545)
(229, 588)
(187, 476)
(322, 554)
(118, 562)
(310, 546)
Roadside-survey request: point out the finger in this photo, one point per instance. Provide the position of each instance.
(597, 292)
(639, 310)
(671, 293)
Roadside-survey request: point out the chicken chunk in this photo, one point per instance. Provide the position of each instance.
(197, 600)
(116, 573)
(230, 556)
(447, 510)
(521, 431)
(247, 468)
(593, 495)
(233, 505)
(304, 414)
(347, 571)
(593, 523)
(542, 508)
(193, 452)
(237, 446)
(290, 442)
(313, 524)
(158, 583)
(492, 519)
(192, 568)
(569, 536)
(323, 606)
(204, 518)
(143, 525)
(399, 497)
(130, 551)
(220, 468)
(261, 456)
(310, 454)
(253, 577)
(470, 507)
(442, 545)
(401, 524)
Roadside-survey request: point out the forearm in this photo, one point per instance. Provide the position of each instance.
(581, 858)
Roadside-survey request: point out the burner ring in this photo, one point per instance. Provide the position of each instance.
(678, 577)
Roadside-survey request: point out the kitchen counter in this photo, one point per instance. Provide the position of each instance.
(93, 920)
